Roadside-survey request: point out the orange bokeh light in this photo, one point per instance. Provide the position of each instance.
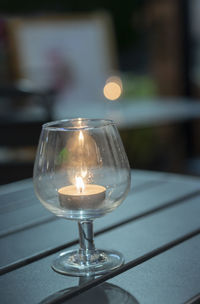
(113, 88)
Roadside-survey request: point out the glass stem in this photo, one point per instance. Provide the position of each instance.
(86, 240)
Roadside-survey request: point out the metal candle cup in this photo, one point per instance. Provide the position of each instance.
(91, 197)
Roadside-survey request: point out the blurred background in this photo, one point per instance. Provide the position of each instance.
(136, 62)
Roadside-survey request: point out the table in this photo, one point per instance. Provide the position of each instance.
(157, 228)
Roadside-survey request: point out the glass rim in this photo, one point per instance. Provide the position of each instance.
(53, 125)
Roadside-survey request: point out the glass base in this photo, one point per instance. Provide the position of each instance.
(74, 263)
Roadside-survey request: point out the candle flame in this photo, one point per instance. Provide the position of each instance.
(79, 184)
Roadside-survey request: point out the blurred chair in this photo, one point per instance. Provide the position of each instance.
(20, 128)
(53, 60)
(73, 55)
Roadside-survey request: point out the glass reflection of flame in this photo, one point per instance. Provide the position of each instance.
(80, 184)
(81, 138)
(83, 152)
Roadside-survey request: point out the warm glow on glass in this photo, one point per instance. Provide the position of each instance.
(79, 184)
(113, 88)
(83, 172)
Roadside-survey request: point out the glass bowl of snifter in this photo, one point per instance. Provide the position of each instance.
(81, 173)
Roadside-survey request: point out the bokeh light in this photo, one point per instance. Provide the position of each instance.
(113, 88)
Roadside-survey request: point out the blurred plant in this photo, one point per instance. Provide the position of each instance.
(138, 86)
(62, 157)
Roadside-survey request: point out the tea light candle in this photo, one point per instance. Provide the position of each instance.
(81, 196)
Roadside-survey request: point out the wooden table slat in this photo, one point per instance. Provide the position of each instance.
(134, 240)
(171, 277)
(20, 208)
(157, 229)
(56, 233)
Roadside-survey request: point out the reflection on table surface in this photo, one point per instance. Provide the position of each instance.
(105, 293)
